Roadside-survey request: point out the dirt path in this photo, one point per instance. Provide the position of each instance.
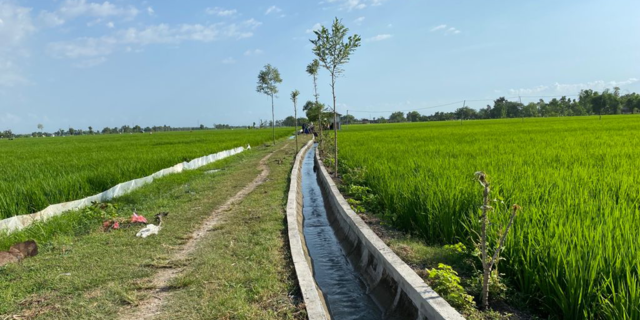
(151, 307)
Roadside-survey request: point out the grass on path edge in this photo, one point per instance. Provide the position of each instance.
(84, 273)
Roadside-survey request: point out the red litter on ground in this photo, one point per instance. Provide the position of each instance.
(135, 218)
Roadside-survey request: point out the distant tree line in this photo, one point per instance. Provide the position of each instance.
(8, 134)
(589, 102)
(115, 130)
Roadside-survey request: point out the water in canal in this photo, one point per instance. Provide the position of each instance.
(344, 291)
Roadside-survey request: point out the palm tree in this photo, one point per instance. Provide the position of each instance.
(294, 98)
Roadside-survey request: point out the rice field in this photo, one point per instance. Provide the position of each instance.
(575, 246)
(37, 172)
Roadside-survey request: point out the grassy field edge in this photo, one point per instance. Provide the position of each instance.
(56, 284)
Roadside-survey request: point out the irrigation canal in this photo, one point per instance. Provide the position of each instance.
(344, 290)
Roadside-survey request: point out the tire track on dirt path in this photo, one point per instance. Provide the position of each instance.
(152, 306)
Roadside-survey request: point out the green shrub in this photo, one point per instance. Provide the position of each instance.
(456, 248)
(445, 281)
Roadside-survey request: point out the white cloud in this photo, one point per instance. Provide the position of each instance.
(216, 11)
(93, 22)
(50, 19)
(445, 30)
(229, 60)
(90, 63)
(355, 4)
(379, 37)
(272, 9)
(350, 5)
(15, 24)
(253, 52)
(9, 118)
(572, 88)
(315, 27)
(77, 8)
(84, 47)
(439, 27)
(110, 24)
(528, 91)
(594, 85)
(358, 21)
(150, 11)
(10, 74)
(15, 27)
(72, 9)
(163, 33)
(132, 39)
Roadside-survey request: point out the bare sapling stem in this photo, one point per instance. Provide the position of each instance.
(273, 121)
(488, 263)
(335, 127)
(315, 90)
(496, 254)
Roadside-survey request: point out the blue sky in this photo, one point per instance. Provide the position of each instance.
(87, 63)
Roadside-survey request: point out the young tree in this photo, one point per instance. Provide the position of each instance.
(268, 80)
(312, 70)
(313, 110)
(333, 52)
(464, 113)
(599, 102)
(489, 259)
(397, 117)
(294, 98)
(349, 118)
(289, 121)
(413, 116)
(530, 110)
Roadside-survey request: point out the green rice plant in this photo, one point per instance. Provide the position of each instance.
(574, 247)
(37, 172)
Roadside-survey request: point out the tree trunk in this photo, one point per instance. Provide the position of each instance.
(335, 126)
(315, 90)
(295, 115)
(485, 288)
(273, 121)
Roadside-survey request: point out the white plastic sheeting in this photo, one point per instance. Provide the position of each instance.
(20, 222)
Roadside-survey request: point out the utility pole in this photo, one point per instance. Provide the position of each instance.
(520, 98)
(464, 104)
(347, 118)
